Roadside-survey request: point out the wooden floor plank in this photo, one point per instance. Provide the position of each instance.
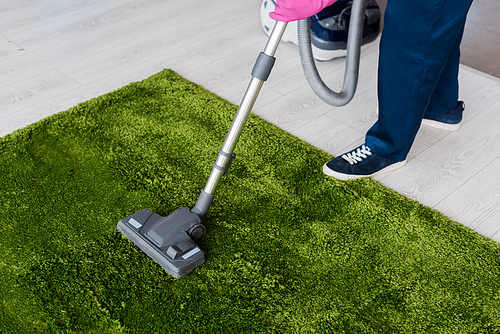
(421, 182)
(34, 90)
(54, 56)
(476, 204)
(465, 153)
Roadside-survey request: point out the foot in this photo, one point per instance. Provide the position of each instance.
(451, 121)
(360, 162)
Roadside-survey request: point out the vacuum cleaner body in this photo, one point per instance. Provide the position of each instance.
(329, 28)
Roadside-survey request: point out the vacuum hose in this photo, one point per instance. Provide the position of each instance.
(351, 74)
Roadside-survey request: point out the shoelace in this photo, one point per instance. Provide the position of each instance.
(357, 155)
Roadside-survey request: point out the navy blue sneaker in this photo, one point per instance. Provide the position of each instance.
(451, 121)
(360, 162)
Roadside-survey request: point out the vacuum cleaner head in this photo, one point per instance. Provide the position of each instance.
(170, 241)
(329, 28)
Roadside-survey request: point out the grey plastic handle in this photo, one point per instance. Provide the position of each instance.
(351, 74)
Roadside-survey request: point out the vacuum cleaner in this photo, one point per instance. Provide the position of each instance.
(329, 28)
(171, 240)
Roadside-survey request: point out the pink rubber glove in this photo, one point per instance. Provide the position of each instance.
(294, 10)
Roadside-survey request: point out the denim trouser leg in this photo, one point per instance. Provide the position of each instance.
(445, 96)
(419, 55)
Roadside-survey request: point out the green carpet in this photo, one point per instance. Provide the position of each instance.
(288, 249)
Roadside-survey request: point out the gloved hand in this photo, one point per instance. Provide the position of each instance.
(294, 10)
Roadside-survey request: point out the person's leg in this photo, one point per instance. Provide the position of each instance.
(417, 41)
(444, 110)
(445, 96)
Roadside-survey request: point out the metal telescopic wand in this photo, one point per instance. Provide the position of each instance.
(260, 73)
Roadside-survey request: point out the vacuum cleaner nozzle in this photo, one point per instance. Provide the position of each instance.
(170, 241)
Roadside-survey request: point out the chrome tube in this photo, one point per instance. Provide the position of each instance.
(223, 159)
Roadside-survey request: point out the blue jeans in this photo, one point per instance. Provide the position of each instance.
(418, 70)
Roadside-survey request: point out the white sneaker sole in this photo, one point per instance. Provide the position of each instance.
(345, 177)
(441, 125)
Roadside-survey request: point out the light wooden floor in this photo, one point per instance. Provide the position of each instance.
(55, 54)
